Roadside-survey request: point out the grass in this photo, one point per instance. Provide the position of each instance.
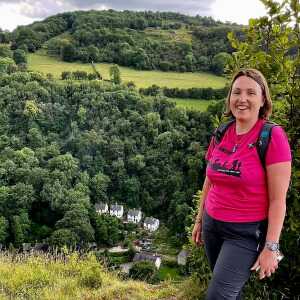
(191, 104)
(178, 35)
(166, 272)
(46, 64)
(44, 277)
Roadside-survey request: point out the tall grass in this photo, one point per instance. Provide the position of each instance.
(45, 276)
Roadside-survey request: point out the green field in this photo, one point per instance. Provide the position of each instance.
(191, 104)
(46, 64)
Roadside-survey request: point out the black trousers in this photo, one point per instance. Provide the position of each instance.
(231, 248)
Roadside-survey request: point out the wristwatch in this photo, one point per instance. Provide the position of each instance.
(272, 246)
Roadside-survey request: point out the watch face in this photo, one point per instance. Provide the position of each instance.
(272, 246)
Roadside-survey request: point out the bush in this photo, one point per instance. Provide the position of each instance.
(145, 271)
(66, 75)
(92, 76)
(80, 75)
(194, 93)
(63, 237)
(19, 56)
(91, 278)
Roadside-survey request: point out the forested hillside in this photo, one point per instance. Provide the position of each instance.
(64, 147)
(142, 40)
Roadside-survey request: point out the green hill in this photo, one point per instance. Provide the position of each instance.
(142, 40)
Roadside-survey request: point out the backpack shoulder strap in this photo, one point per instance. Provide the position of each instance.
(220, 131)
(264, 140)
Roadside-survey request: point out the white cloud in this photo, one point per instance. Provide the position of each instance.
(237, 11)
(17, 12)
(11, 17)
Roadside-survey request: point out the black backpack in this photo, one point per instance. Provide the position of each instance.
(262, 142)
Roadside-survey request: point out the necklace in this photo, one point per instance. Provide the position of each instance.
(238, 141)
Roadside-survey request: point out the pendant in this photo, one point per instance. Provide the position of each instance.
(234, 148)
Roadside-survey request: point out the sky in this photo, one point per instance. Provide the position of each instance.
(17, 12)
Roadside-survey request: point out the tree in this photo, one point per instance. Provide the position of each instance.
(107, 230)
(6, 64)
(68, 52)
(144, 270)
(115, 75)
(54, 46)
(19, 57)
(3, 229)
(5, 51)
(20, 226)
(63, 237)
(219, 62)
(4, 36)
(93, 53)
(77, 220)
(27, 36)
(100, 183)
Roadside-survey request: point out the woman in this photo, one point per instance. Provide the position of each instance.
(243, 202)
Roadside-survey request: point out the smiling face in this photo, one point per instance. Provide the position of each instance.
(246, 99)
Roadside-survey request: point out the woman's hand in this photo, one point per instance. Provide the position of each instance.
(266, 263)
(196, 234)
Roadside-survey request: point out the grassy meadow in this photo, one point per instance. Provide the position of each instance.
(46, 64)
(191, 104)
(178, 35)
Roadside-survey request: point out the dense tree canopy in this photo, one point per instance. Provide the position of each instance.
(66, 146)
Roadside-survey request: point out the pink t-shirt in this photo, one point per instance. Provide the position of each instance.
(239, 187)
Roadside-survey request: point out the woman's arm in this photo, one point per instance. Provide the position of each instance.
(205, 189)
(278, 179)
(196, 234)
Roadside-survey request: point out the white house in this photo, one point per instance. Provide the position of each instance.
(116, 210)
(101, 208)
(143, 256)
(182, 257)
(134, 216)
(151, 223)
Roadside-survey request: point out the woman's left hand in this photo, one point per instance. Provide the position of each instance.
(267, 263)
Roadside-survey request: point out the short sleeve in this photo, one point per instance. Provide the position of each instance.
(210, 149)
(279, 149)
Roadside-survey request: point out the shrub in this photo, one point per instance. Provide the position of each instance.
(145, 271)
(66, 75)
(91, 277)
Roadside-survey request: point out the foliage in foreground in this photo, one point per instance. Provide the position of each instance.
(70, 277)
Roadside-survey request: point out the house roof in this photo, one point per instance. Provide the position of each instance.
(145, 256)
(150, 220)
(100, 206)
(134, 212)
(116, 207)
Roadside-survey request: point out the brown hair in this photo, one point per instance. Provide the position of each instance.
(266, 110)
